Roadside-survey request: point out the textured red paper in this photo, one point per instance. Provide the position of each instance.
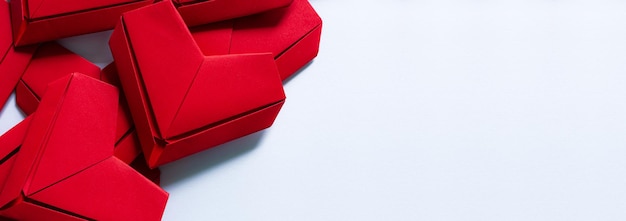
(127, 147)
(181, 101)
(52, 61)
(65, 169)
(44, 20)
(12, 61)
(10, 143)
(197, 12)
(291, 34)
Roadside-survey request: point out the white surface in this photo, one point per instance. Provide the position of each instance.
(431, 110)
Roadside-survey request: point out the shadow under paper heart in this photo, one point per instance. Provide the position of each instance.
(207, 159)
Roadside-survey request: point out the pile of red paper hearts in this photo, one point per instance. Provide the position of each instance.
(188, 75)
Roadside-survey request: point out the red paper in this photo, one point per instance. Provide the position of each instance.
(52, 61)
(10, 143)
(291, 34)
(127, 146)
(44, 20)
(181, 101)
(12, 61)
(197, 12)
(65, 168)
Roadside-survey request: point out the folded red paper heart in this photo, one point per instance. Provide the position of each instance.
(291, 34)
(70, 159)
(51, 62)
(37, 21)
(183, 102)
(65, 168)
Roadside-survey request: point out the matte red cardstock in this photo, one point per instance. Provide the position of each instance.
(44, 20)
(65, 168)
(127, 146)
(12, 61)
(197, 12)
(183, 102)
(51, 62)
(10, 143)
(291, 34)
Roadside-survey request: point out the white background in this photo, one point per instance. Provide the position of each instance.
(429, 110)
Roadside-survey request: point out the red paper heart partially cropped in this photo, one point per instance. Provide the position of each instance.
(51, 62)
(291, 34)
(37, 21)
(181, 101)
(65, 168)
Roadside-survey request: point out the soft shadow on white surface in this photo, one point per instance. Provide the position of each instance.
(206, 160)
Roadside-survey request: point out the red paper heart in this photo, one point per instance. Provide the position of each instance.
(66, 169)
(37, 21)
(52, 61)
(183, 102)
